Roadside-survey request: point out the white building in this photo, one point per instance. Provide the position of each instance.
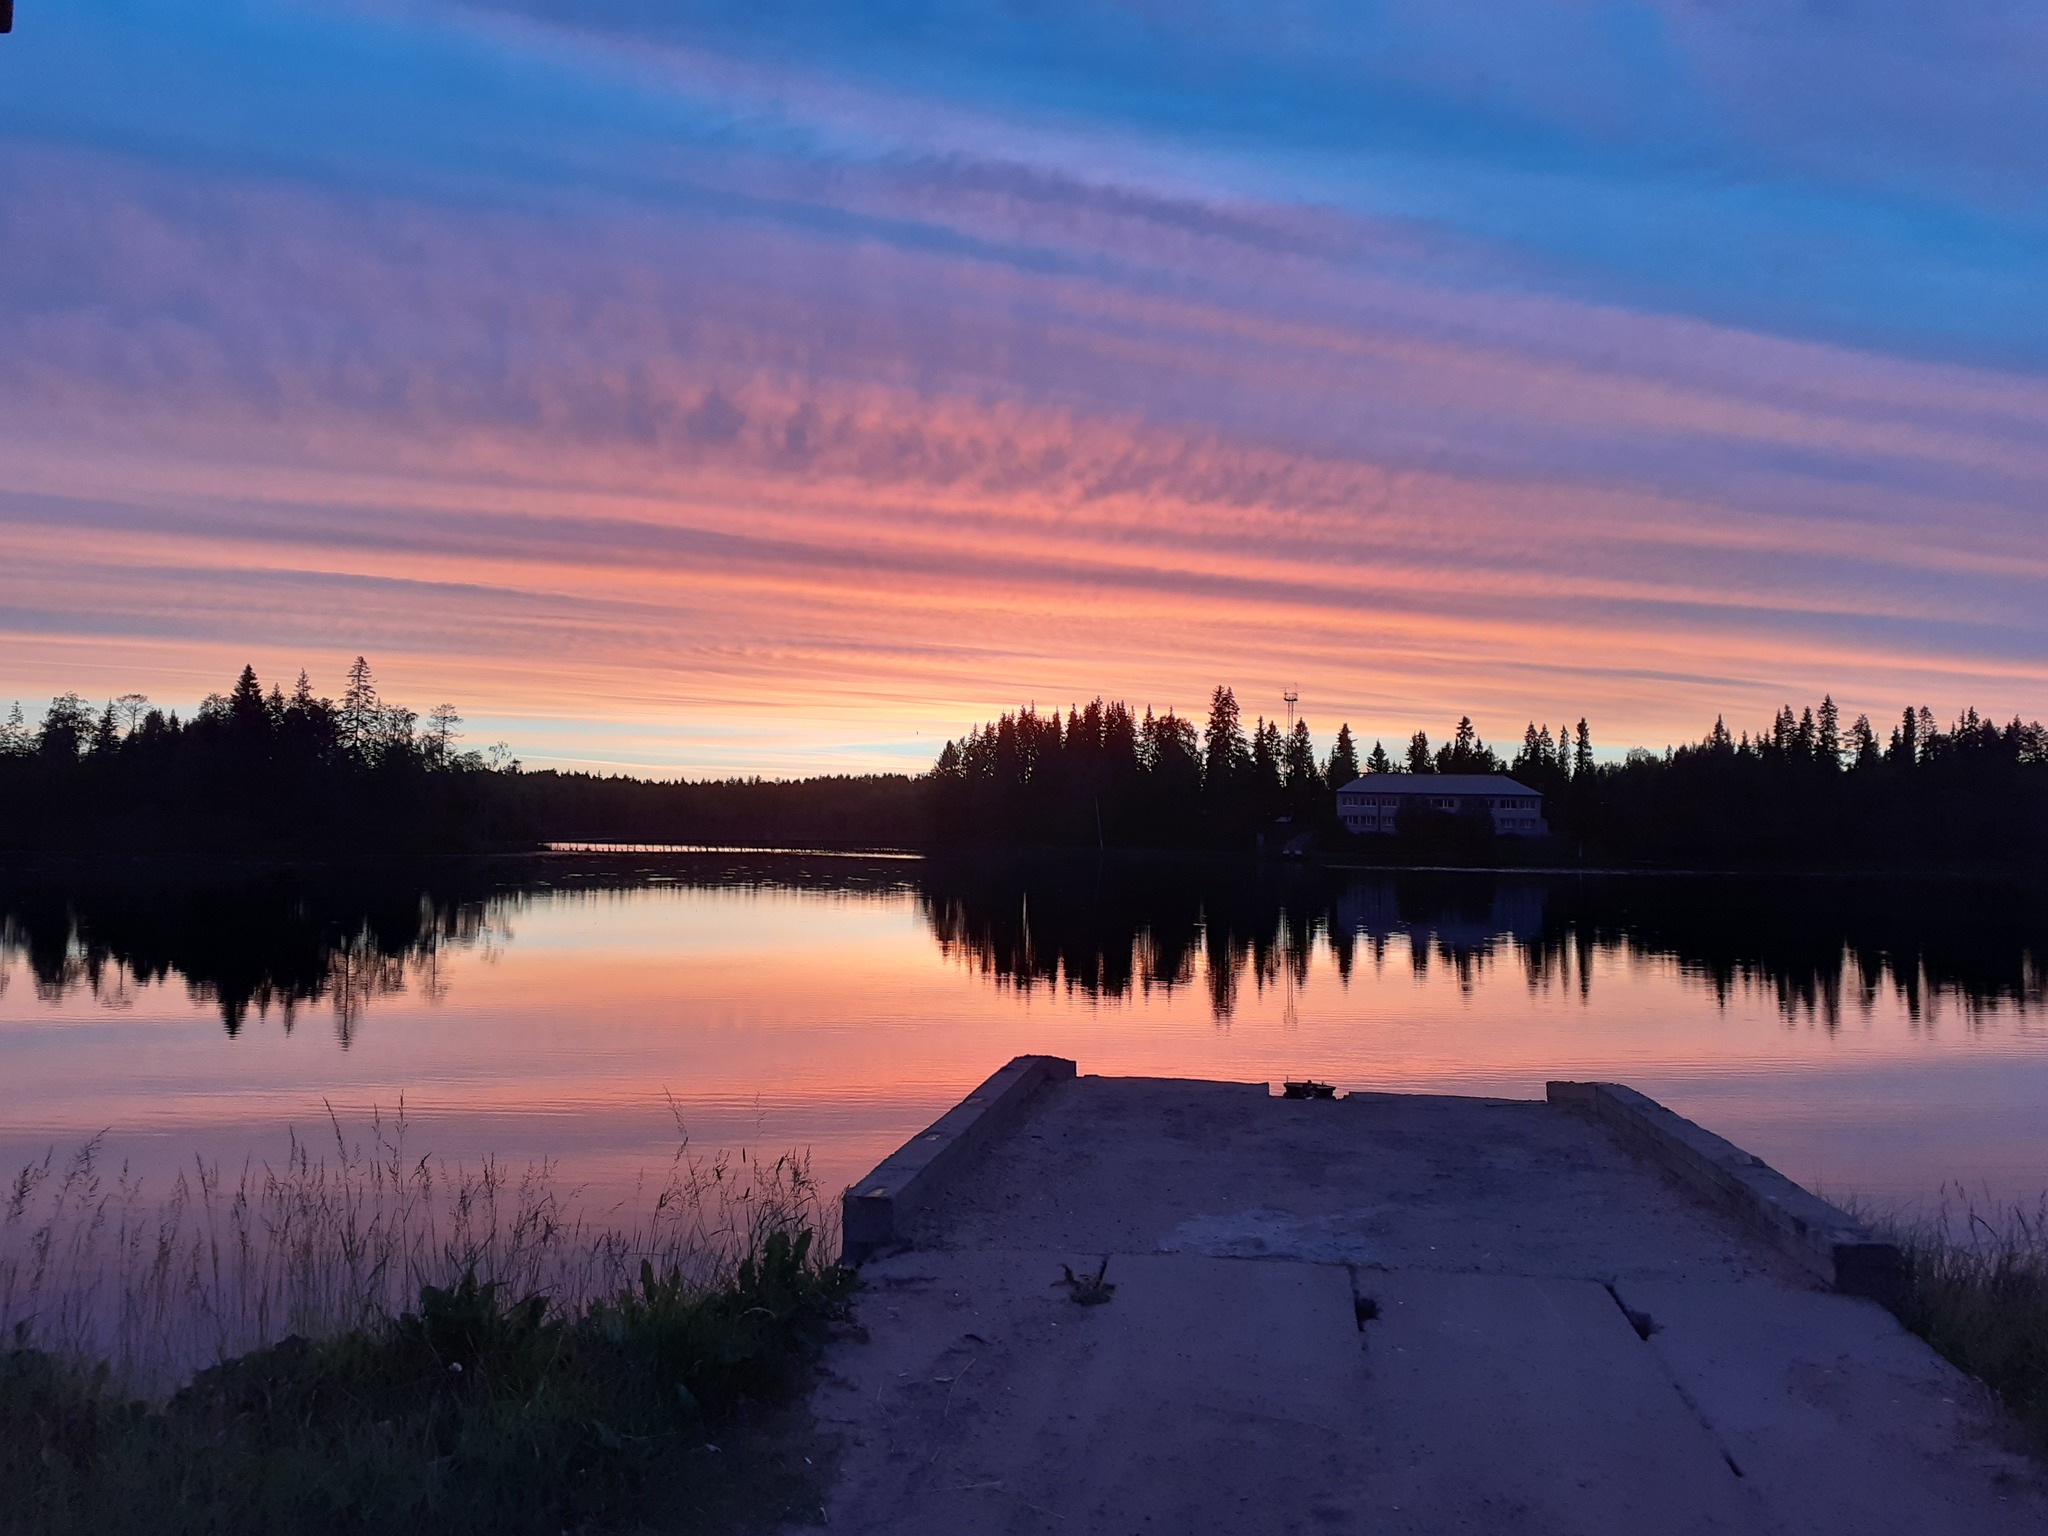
(1373, 803)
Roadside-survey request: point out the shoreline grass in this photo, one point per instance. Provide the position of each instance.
(1977, 1291)
(370, 1343)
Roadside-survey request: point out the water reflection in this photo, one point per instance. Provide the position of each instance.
(1821, 948)
(285, 940)
(245, 943)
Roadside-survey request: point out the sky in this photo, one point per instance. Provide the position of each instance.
(778, 387)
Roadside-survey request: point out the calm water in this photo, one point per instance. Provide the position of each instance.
(1872, 1039)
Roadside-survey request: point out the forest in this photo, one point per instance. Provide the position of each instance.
(265, 772)
(250, 772)
(1803, 792)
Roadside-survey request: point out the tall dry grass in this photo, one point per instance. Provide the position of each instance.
(1977, 1290)
(96, 1267)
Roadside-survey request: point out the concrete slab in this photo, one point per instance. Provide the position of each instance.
(1840, 1251)
(1230, 1385)
(1216, 1395)
(1141, 1165)
(1205, 1396)
(870, 1212)
(1841, 1420)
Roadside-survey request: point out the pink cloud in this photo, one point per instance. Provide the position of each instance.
(759, 470)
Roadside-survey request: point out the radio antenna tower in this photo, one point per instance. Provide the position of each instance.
(1293, 697)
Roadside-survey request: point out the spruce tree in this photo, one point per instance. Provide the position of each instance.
(1342, 767)
(1224, 751)
(1301, 761)
(1828, 739)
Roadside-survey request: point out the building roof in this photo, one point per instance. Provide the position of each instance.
(1437, 784)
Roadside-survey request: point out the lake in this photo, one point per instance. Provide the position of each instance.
(1874, 1039)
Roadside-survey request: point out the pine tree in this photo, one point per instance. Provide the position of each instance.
(15, 740)
(1224, 751)
(1302, 778)
(1266, 755)
(1342, 766)
(245, 705)
(1379, 762)
(106, 734)
(1828, 740)
(358, 717)
(1905, 743)
(1582, 750)
(1418, 754)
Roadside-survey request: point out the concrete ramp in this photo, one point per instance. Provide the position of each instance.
(1507, 1404)
(1221, 1395)
(1388, 1314)
(1839, 1418)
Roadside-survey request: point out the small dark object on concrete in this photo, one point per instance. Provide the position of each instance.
(1088, 1290)
(1308, 1088)
(1365, 1310)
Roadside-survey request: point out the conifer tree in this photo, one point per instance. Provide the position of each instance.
(1418, 754)
(246, 711)
(1379, 762)
(106, 734)
(1224, 751)
(1342, 767)
(358, 717)
(1828, 738)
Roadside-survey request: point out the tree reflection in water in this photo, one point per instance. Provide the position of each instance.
(245, 941)
(284, 938)
(1816, 946)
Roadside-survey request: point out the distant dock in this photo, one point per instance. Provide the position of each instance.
(1383, 1312)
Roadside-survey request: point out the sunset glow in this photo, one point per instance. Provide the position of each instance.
(782, 389)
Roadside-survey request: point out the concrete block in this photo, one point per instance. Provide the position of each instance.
(1825, 1240)
(872, 1209)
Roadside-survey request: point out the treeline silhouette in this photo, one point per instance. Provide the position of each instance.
(1108, 778)
(1821, 947)
(1803, 792)
(263, 772)
(250, 772)
(839, 811)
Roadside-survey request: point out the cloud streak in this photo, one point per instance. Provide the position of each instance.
(846, 403)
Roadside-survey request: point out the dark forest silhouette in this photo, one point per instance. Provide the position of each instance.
(251, 771)
(1803, 793)
(262, 772)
